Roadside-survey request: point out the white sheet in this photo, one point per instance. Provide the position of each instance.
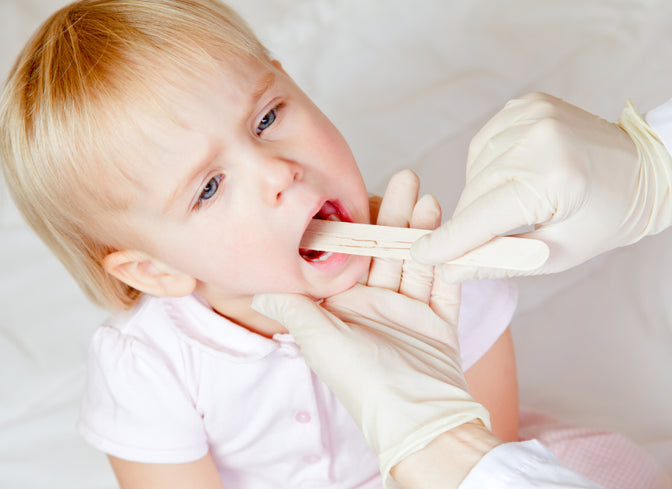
(408, 83)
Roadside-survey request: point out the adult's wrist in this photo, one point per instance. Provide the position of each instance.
(445, 462)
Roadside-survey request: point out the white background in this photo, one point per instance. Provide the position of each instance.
(408, 83)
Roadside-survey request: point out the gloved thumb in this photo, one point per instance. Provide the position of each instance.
(473, 224)
(435, 247)
(276, 306)
(454, 274)
(497, 212)
(298, 313)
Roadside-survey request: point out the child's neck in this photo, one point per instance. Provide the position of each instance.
(240, 312)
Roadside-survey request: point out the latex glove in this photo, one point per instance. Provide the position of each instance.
(400, 207)
(391, 358)
(585, 185)
(401, 386)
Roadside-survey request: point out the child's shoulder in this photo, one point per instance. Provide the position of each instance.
(146, 330)
(150, 317)
(167, 324)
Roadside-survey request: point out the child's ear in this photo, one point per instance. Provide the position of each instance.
(144, 273)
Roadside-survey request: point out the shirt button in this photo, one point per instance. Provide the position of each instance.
(312, 459)
(302, 417)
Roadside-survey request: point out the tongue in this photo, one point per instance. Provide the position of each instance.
(310, 254)
(327, 211)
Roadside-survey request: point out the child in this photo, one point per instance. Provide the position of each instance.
(173, 166)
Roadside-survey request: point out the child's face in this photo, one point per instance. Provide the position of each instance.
(228, 189)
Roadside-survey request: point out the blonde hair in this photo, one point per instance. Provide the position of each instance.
(63, 113)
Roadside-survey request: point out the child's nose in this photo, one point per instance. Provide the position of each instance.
(277, 175)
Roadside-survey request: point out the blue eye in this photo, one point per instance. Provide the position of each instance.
(210, 189)
(267, 121)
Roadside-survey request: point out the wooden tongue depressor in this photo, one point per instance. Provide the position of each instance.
(393, 242)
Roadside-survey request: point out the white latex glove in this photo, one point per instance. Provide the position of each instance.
(391, 357)
(586, 186)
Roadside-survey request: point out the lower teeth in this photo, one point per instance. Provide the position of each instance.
(323, 257)
(315, 256)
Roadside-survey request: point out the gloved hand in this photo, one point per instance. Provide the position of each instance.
(585, 185)
(391, 357)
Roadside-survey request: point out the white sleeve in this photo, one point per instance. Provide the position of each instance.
(523, 465)
(660, 119)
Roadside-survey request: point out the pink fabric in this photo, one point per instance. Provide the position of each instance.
(607, 458)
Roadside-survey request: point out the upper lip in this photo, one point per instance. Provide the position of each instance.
(314, 211)
(343, 213)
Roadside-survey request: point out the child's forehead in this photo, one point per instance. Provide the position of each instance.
(241, 79)
(163, 120)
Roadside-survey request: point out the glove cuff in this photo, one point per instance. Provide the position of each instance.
(652, 210)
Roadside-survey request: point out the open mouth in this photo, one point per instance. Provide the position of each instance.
(330, 212)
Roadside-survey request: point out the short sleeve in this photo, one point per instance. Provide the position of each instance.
(485, 312)
(136, 406)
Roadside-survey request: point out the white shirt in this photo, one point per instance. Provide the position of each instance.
(660, 119)
(171, 380)
(523, 465)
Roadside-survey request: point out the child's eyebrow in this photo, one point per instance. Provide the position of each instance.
(265, 82)
(188, 183)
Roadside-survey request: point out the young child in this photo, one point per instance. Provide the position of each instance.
(172, 165)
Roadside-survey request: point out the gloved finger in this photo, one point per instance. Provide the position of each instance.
(494, 213)
(455, 274)
(396, 209)
(515, 112)
(417, 278)
(529, 108)
(449, 273)
(498, 155)
(445, 301)
(386, 311)
(305, 320)
(512, 155)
